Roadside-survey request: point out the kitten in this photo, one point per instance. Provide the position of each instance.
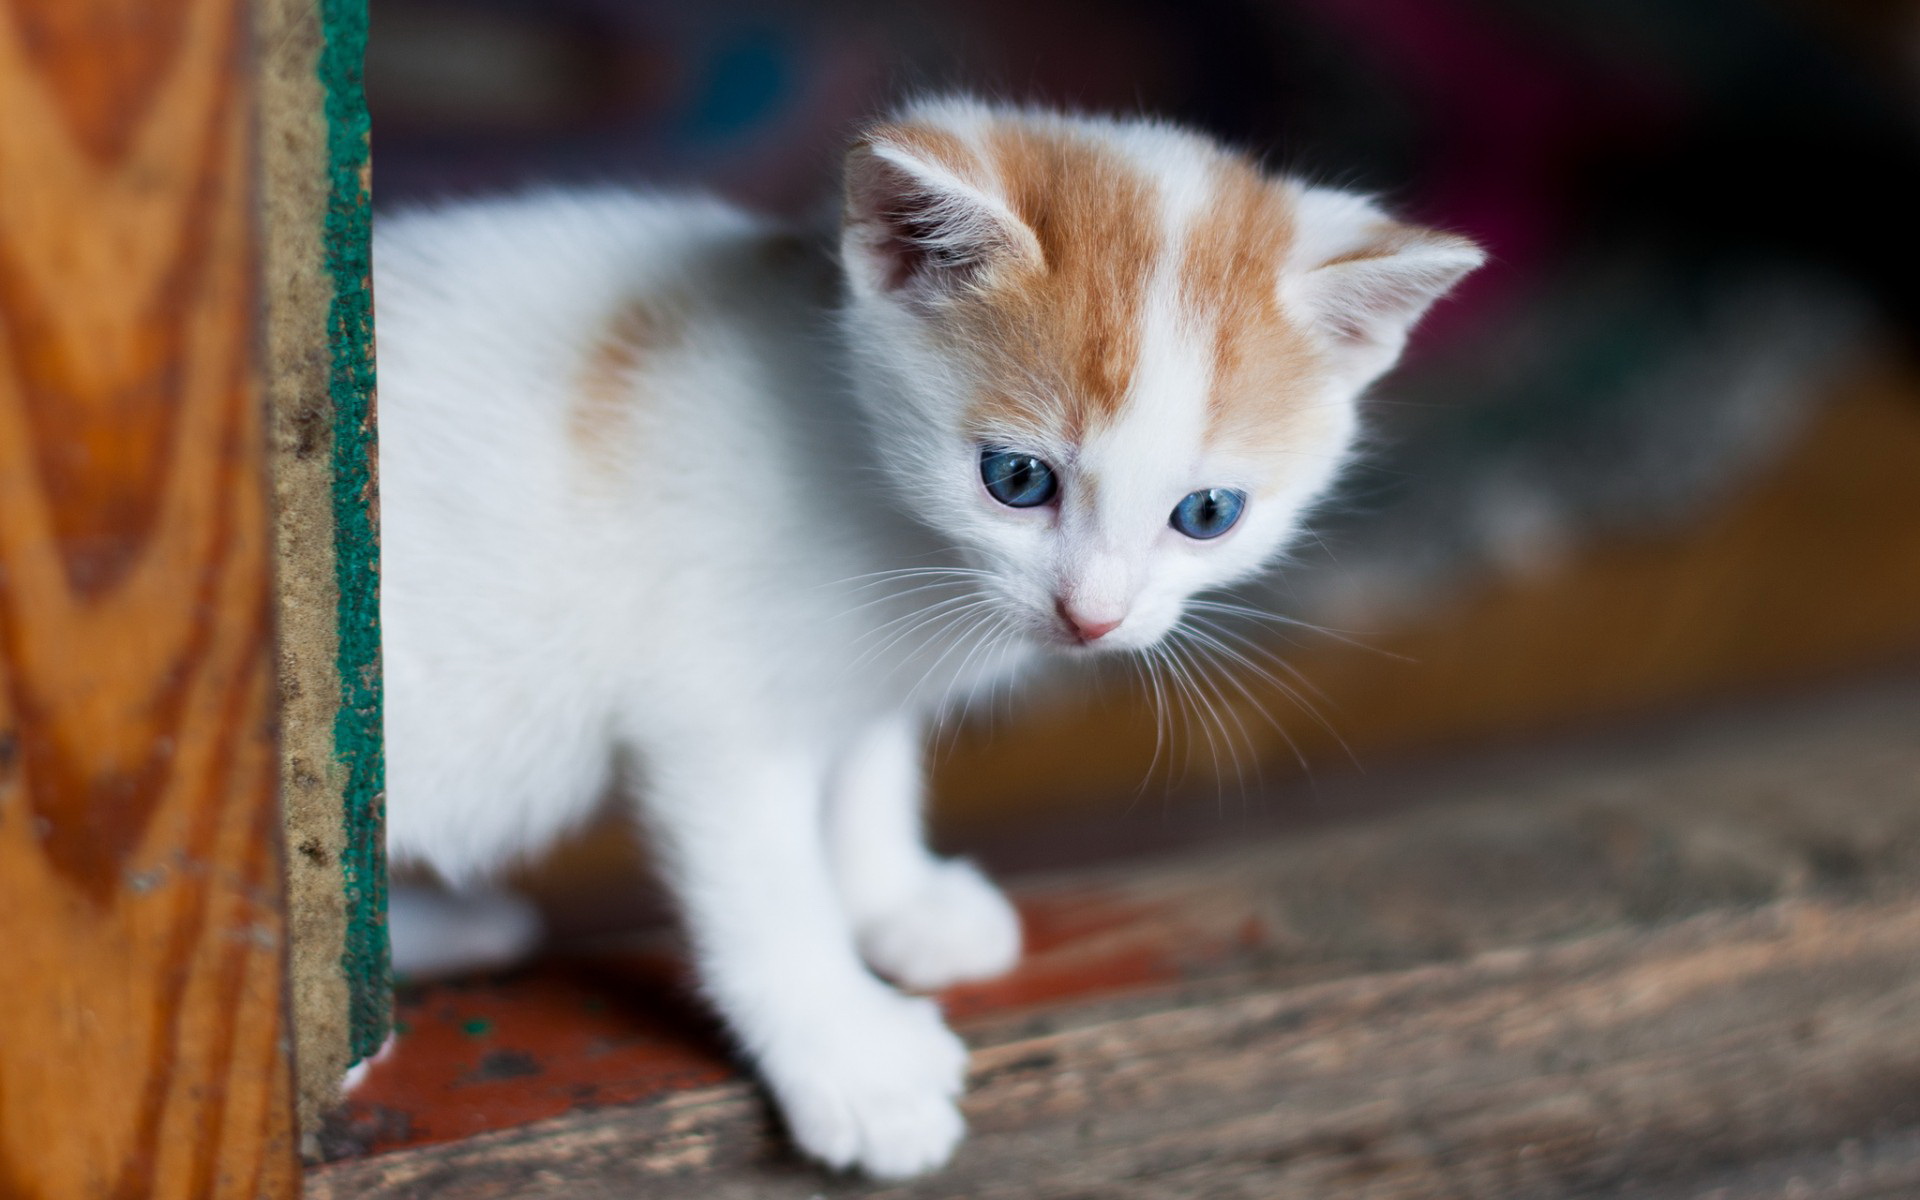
(660, 483)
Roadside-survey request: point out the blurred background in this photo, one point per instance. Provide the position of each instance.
(1663, 453)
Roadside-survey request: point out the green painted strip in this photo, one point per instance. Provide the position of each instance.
(357, 737)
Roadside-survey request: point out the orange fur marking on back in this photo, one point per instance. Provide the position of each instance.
(604, 398)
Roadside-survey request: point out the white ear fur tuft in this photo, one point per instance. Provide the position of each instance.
(914, 224)
(1364, 279)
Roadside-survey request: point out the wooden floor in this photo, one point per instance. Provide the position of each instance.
(1680, 960)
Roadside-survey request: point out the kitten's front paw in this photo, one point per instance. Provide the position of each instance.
(957, 926)
(873, 1086)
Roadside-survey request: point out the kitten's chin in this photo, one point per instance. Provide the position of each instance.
(1058, 641)
(1071, 645)
(1049, 633)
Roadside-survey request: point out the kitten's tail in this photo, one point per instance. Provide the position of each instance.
(438, 932)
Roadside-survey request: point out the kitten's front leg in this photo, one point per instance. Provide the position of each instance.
(864, 1075)
(920, 919)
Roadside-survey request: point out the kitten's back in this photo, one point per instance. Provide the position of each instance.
(487, 313)
(594, 408)
(489, 310)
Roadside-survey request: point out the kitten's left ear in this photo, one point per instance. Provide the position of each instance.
(1363, 279)
(918, 220)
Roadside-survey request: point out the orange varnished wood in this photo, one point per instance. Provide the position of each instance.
(141, 910)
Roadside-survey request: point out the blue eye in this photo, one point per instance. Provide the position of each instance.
(1017, 480)
(1209, 512)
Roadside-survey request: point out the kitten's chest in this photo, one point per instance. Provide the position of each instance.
(930, 648)
(808, 619)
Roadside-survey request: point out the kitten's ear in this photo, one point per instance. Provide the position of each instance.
(1364, 279)
(917, 224)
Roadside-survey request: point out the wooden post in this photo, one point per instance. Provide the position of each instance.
(319, 371)
(142, 939)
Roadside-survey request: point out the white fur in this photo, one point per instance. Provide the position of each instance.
(787, 567)
(438, 932)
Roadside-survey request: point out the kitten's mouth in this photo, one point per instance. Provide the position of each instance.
(1065, 637)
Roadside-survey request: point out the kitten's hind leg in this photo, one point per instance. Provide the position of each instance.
(434, 931)
(922, 920)
(865, 1077)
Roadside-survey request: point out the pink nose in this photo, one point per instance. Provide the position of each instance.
(1083, 628)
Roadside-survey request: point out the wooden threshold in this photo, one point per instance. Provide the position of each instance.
(1679, 963)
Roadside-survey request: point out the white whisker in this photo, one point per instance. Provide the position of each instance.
(1346, 637)
(941, 616)
(1214, 634)
(1215, 701)
(1214, 650)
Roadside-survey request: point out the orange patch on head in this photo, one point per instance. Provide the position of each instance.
(1263, 363)
(604, 396)
(1057, 339)
(1070, 327)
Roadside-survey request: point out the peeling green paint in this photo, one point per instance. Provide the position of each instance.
(357, 735)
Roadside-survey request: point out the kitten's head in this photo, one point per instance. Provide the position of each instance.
(1112, 361)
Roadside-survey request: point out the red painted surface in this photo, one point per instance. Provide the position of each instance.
(493, 1053)
(620, 1028)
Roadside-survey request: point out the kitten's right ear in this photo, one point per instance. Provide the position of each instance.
(1363, 279)
(915, 224)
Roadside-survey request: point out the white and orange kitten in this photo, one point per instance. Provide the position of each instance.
(666, 487)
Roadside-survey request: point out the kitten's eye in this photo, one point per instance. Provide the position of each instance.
(1209, 512)
(1017, 480)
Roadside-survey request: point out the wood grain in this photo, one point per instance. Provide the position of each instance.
(145, 1051)
(300, 423)
(326, 581)
(1655, 965)
(1622, 1059)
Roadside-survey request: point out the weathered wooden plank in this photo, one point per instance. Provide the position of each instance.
(1651, 1058)
(1814, 802)
(145, 1047)
(320, 403)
